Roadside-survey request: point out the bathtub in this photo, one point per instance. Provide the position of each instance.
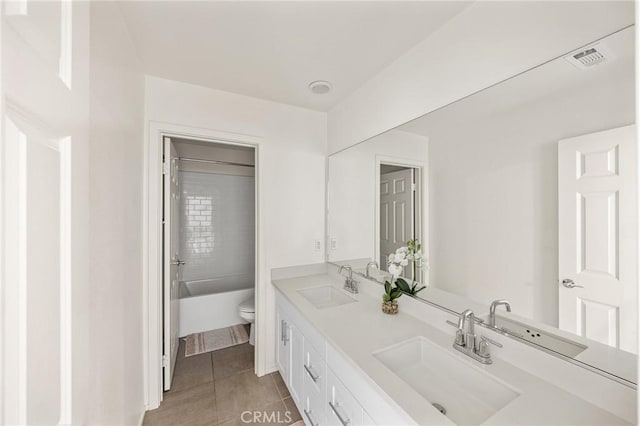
(212, 303)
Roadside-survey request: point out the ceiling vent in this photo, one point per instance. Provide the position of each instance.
(320, 87)
(590, 57)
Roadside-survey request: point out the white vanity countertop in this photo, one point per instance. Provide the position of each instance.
(356, 330)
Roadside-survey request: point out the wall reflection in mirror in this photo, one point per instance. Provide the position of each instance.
(526, 191)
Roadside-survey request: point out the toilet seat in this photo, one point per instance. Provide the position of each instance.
(247, 311)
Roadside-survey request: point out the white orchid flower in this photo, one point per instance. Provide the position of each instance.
(404, 262)
(395, 270)
(401, 250)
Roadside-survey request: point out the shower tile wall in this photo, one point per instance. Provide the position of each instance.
(216, 225)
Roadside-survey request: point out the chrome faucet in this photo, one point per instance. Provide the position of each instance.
(350, 284)
(467, 339)
(372, 263)
(468, 343)
(492, 310)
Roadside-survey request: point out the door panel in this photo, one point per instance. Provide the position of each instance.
(43, 259)
(42, 244)
(396, 212)
(171, 280)
(597, 202)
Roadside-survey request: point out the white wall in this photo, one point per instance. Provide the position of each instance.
(486, 43)
(493, 187)
(290, 173)
(351, 191)
(116, 392)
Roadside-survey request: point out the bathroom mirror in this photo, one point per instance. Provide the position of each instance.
(525, 191)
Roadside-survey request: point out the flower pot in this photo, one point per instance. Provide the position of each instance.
(390, 308)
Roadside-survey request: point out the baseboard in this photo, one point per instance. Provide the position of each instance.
(141, 418)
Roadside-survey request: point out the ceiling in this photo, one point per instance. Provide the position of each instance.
(273, 50)
(552, 79)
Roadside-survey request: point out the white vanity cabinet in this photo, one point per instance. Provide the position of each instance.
(320, 396)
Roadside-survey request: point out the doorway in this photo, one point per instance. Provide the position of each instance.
(159, 350)
(400, 210)
(208, 247)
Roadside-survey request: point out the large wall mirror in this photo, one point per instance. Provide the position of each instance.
(526, 191)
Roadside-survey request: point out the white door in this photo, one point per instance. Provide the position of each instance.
(172, 262)
(44, 157)
(598, 225)
(396, 212)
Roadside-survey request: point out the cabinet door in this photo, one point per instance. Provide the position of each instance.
(296, 342)
(343, 409)
(283, 352)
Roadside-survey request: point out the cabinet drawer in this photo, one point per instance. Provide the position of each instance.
(314, 386)
(314, 409)
(343, 409)
(314, 369)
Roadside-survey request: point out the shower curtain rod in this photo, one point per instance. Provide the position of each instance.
(226, 163)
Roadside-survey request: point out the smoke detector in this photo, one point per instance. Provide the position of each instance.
(320, 87)
(590, 56)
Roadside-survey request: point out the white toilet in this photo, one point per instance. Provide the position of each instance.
(247, 311)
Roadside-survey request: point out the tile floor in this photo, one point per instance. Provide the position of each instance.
(215, 388)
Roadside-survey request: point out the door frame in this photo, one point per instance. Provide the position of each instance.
(152, 249)
(422, 201)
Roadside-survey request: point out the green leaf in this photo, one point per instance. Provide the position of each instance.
(386, 298)
(395, 293)
(387, 287)
(402, 285)
(420, 289)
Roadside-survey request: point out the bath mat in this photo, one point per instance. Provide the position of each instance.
(199, 343)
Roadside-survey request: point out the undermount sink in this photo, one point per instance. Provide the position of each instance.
(467, 393)
(326, 297)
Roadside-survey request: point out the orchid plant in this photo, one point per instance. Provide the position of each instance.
(398, 260)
